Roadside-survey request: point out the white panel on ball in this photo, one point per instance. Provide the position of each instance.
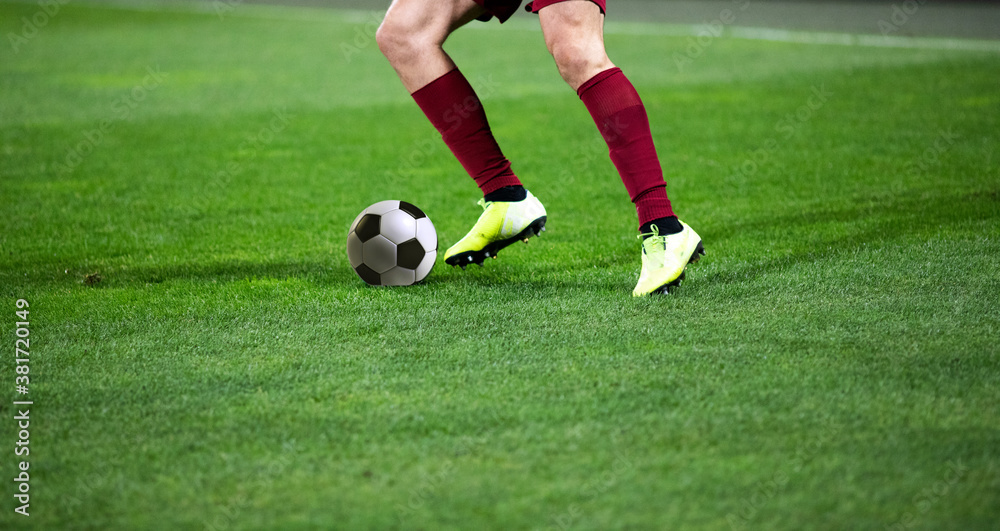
(398, 226)
(425, 266)
(426, 234)
(357, 219)
(354, 249)
(379, 254)
(382, 207)
(398, 276)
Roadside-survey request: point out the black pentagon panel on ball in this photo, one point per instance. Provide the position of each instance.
(412, 210)
(368, 227)
(409, 254)
(368, 275)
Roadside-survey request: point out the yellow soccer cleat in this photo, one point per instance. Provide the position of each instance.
(501, 224)
(664, 259)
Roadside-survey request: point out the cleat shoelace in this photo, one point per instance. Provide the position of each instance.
(654, 236)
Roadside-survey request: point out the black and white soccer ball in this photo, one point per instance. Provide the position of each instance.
(392, 243)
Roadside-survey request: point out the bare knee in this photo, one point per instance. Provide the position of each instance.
(405, 43)
(396, 40)
(574, 35)
(579, 61)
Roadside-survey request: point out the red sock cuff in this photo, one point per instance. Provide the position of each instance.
(444, 98)
(587, 85)
(653, 204)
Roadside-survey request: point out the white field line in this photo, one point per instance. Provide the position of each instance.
(805, 37)
(236, 9)
(776, 35)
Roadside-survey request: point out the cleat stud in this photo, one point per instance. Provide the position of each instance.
(494, 257)
(470, 258)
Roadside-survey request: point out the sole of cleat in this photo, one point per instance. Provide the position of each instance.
(699, 251)
(665, 289)
(490, 251)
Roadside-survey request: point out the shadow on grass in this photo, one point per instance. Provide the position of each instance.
(323, 274)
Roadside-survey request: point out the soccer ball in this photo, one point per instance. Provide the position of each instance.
(392, 243)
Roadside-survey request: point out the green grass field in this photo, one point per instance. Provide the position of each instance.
(175, 193)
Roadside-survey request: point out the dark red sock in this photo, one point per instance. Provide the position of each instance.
(621, 117)
(451, 104)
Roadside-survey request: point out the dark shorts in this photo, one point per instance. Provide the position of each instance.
(503, 9)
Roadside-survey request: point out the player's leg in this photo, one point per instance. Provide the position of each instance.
(413, 32)
(411, 37)
(574, 35)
